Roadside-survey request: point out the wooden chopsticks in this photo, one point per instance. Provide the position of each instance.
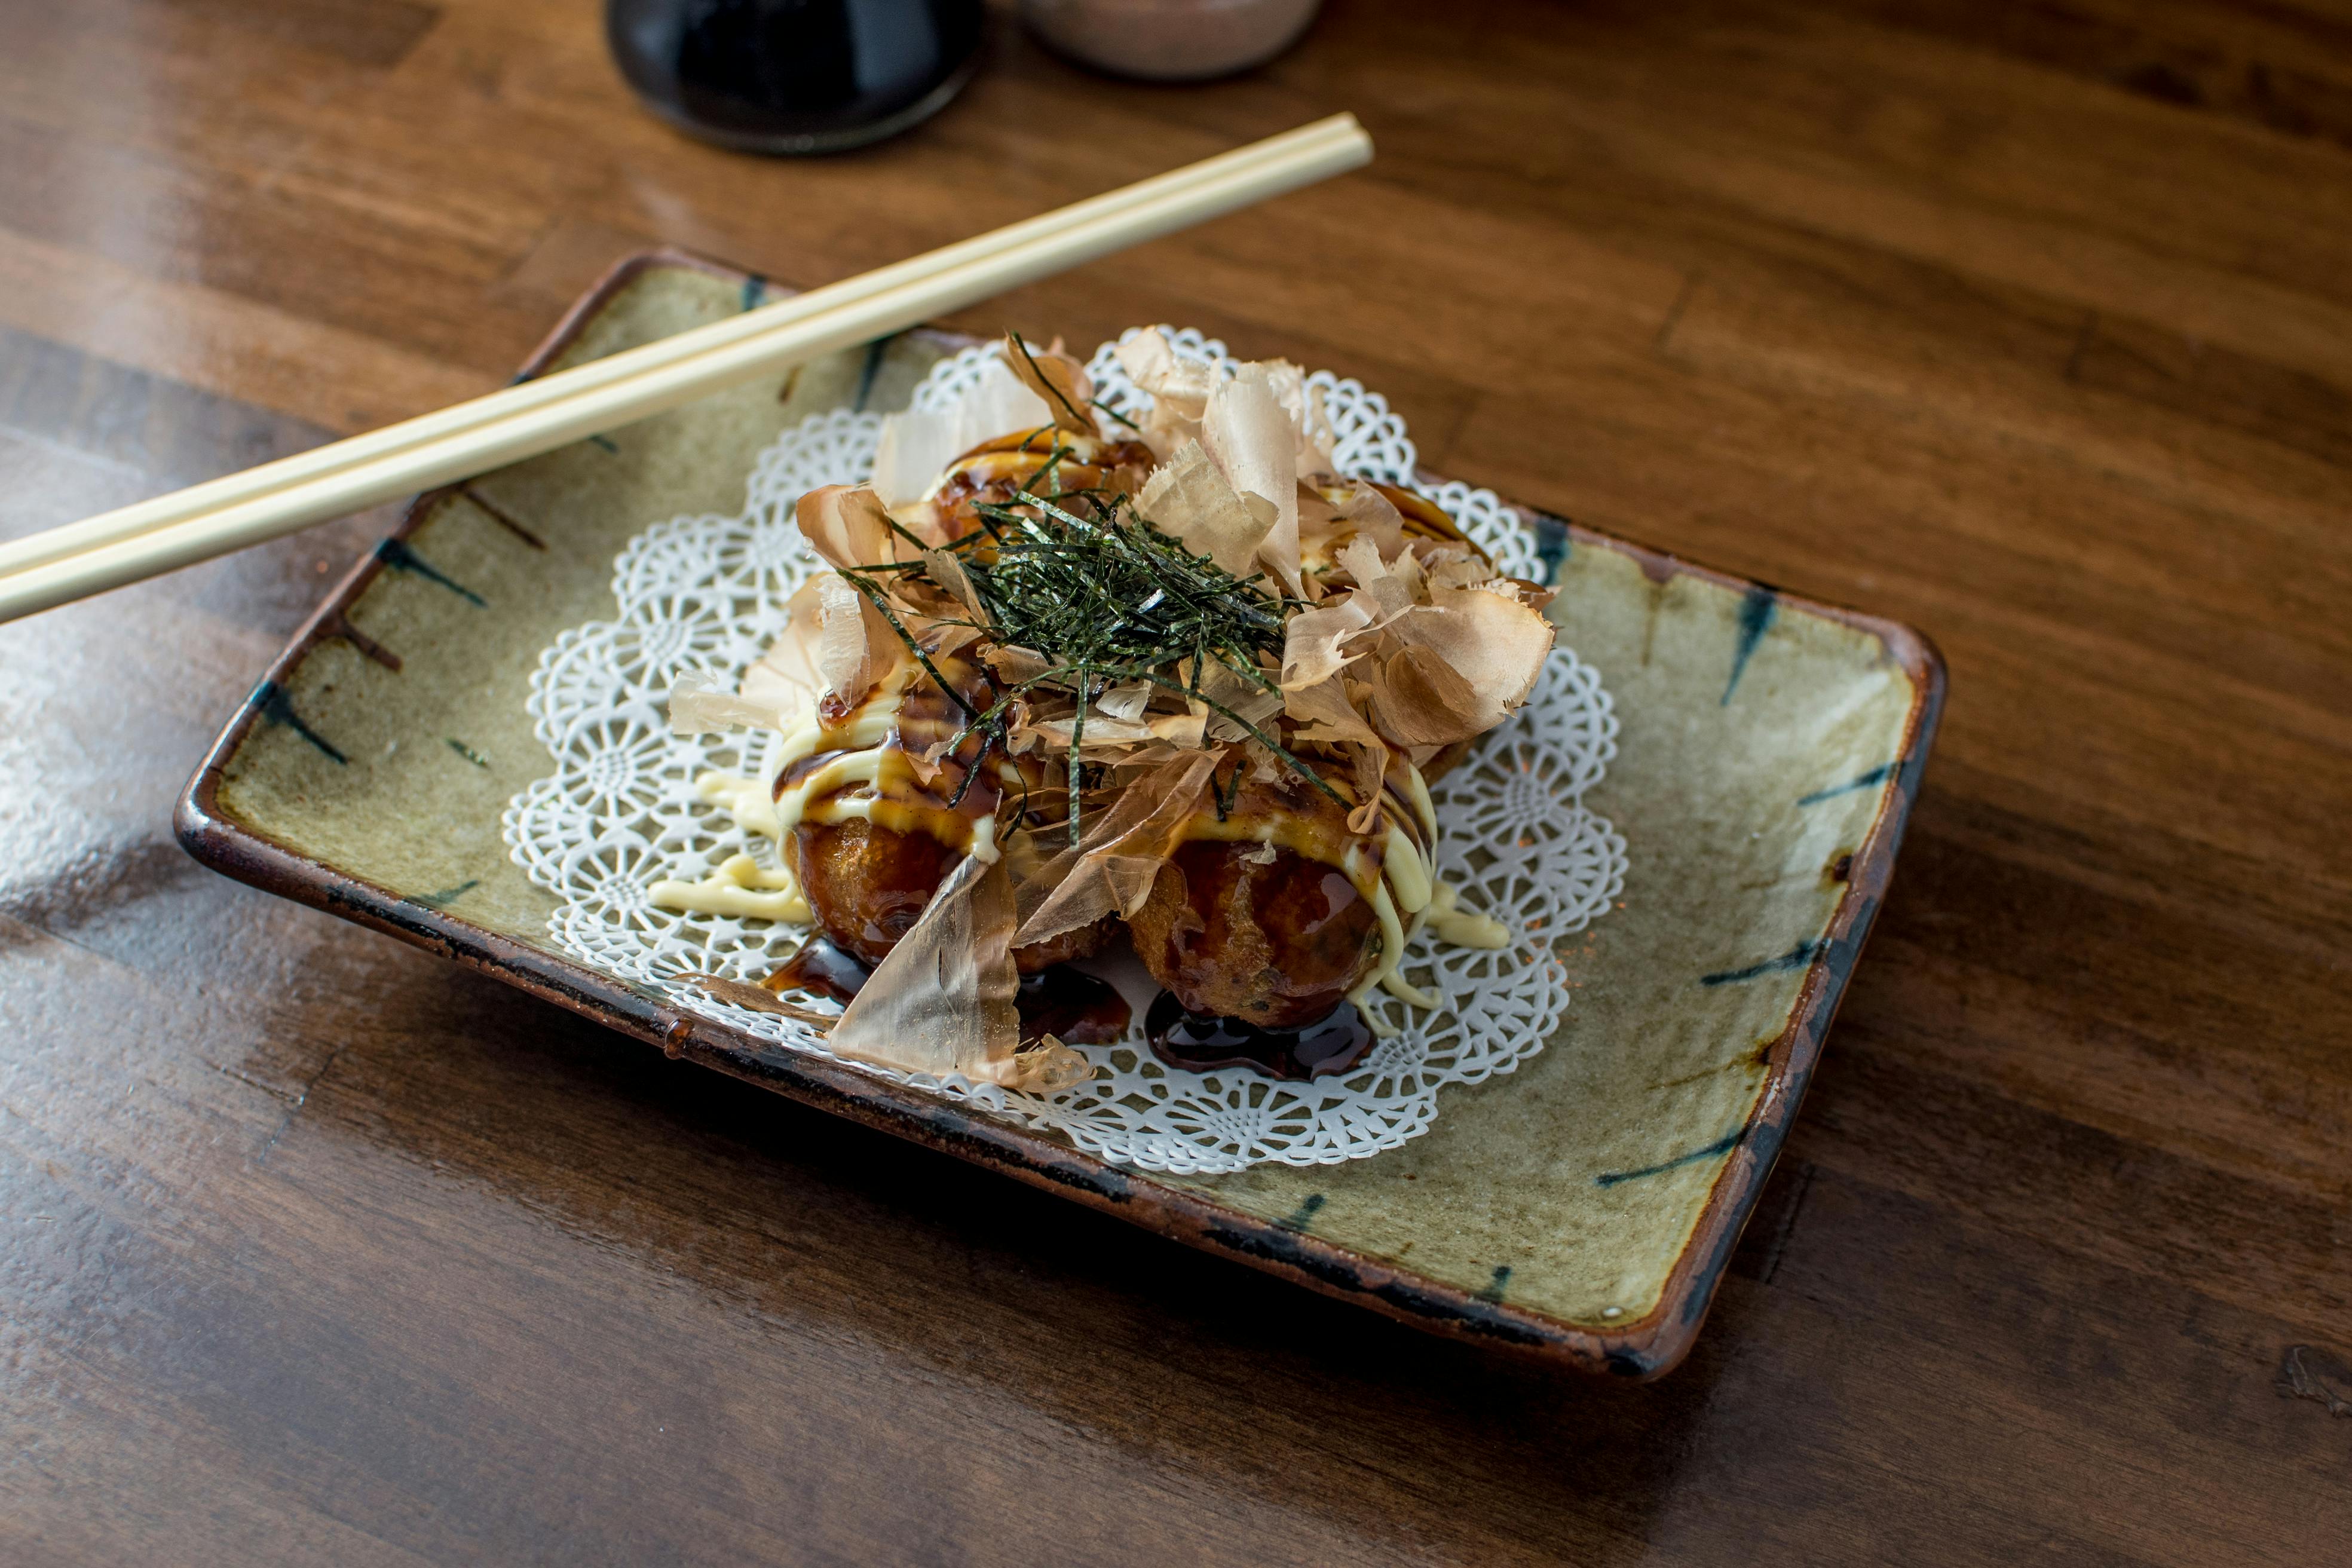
(211, 519)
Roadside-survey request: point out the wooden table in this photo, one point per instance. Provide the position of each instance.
(2035, 330)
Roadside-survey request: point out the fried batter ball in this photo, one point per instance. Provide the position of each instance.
(1277, 944)
(867, 885)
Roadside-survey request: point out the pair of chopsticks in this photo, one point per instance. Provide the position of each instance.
(177, 530)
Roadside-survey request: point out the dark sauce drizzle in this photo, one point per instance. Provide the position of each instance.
(1333, 1044)
(1081, 1010)
(821, 968)
(1066, 1003)
(1072, 1006)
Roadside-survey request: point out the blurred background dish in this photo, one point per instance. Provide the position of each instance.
(794, 76)
(1169, 40)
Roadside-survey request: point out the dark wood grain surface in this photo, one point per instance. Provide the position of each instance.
(2030, 325)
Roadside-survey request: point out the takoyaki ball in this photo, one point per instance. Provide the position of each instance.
(1083, 942)
(867, 885)
(1277, 944)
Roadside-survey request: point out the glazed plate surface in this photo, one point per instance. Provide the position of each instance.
(1582, 1208)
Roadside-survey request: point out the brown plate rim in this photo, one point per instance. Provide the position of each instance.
(1643, 1348)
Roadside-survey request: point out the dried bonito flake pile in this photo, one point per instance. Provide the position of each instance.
(1059, 645)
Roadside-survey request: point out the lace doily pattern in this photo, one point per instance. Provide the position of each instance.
(708, 593)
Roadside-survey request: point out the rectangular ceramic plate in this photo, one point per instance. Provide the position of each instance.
(1581, 1209)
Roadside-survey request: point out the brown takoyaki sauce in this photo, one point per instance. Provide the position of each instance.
(994, 471)
(821, 968)
(945, 806)
(1332, 1043)
(1072, 1006)
(867, 878)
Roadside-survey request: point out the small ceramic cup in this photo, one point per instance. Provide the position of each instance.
(1169, 40)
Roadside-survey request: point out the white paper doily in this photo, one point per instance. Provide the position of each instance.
(708, 593)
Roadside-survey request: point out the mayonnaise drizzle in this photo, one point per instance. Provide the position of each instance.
(1465, 928)
(740, 886)
(1402, 882)
(844, 787)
